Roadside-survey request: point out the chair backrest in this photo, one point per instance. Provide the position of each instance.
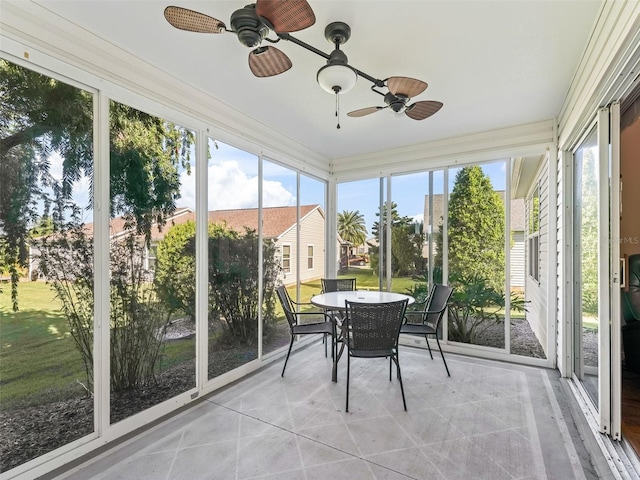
(287, 307)
(338, 284)
(374, 326)
(437, 304)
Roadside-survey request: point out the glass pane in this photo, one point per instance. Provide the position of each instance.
(586, 264)
(233, 258)
(46, 264)
(358, 206)
(409, 242)
(312, 234)
(476, 254)
(280, 251)
(152, 301)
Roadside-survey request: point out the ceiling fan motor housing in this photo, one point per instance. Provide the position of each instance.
(251, 30)
(395, 102)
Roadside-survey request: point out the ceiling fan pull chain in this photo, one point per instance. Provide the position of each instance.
(338, 110)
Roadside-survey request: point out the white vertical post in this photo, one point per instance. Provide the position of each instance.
(604, 288)
(616, 324)
(507, 256)
(101, 307)
(260, 254)
(331, 230)
(202, 259)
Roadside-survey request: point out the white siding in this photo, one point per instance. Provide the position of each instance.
(536, 291)
(517, 266)
(312, 229)
(312, 232)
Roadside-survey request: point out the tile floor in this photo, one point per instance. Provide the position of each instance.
(489, 420)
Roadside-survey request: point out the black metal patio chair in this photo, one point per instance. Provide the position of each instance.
(427, 322)
(371, 330)
(298, 326)
(338, 284)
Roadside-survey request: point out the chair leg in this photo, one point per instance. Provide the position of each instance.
(390, 362)
(324, 340)
(404, 401)
(428, 346)
(346, 408)
(287, 359)
(442, 354)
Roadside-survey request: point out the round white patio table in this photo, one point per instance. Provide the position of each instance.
(336, 301)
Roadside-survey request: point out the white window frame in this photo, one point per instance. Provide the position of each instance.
(533, 236)
(286, 258)
(310, 257)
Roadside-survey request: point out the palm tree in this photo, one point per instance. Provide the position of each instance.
(351, 228)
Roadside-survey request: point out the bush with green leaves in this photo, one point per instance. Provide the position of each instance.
(175, 269)
(233, 272)
(476, 306)
(137, 319)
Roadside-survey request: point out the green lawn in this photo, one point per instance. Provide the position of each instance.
(38, 358)
(39, 361)
(365, 280)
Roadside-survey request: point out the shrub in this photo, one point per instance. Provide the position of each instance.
(137, 319)
(475, 306)
(233, 271)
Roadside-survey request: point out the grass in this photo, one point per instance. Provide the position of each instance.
(365, 279)
(38, 357)
(39, 361)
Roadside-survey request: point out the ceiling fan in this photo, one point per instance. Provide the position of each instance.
(401, 90)
(253, 24)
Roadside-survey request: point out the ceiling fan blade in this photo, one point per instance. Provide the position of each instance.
(286, 15)
(409, 87)
(193, 21)
(268, 61)
(364, 111)
(422, 110)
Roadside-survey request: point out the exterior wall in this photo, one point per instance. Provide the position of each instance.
(536, 290)
(517, 262)
(312, 232)
(312, 229)
(605, 72)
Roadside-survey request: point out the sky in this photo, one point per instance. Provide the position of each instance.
(407, 191)
(232, 179)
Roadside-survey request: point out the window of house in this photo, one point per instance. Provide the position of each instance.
(310, 257)
(286, 258)
(534, 234)
(151, 256)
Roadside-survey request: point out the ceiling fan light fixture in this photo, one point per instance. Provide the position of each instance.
(337, 79)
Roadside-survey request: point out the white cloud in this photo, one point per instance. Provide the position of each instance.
(230, 187)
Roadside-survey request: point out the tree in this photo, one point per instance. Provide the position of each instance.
(39, 116)
(475, 229)
(175, 269)
(351, 227)
(233, 277)
(406, 243)
(137, 319)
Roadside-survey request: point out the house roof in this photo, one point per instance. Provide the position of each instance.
(275, 220)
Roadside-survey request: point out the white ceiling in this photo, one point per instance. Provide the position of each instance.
(493, 64)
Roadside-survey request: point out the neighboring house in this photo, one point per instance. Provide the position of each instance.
(278, 225)
(517, 254)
